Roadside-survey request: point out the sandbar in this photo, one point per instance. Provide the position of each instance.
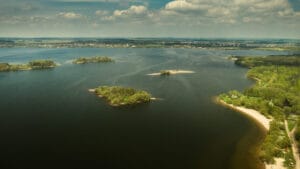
(173, 72)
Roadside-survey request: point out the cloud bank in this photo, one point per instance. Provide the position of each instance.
(178, 18)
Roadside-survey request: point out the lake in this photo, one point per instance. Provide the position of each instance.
(48, 119)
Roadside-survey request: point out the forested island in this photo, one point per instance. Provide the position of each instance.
(32, 65)
(276, 94)
(121, 96)
(95, 59)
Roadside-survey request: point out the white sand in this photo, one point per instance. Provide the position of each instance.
(278, 164)
(92, 90)
(173, 72)
(261, 119)
(256, 115)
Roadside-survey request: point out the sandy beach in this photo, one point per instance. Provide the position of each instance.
(261, 120)
(277, 165)
(257, 116)
(173, 72)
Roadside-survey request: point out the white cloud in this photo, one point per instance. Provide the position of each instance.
(218, 11)
(206, 12)
(229, 11)
(181, 5)
(101, 12)
(133, 10)
(69, 15)
(178, 17)
(251, 19)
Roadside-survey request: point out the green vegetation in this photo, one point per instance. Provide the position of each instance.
(292, 121)
(292, 60)
(120, 96)
(165, 73)
(95, 59)
(279, 48)
(297, 134)
(276, 95)
(41, 64)
(36, 64)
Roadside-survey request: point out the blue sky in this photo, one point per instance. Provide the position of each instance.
(150, 18)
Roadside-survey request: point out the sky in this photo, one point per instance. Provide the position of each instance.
(151, 18)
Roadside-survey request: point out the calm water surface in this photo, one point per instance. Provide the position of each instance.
(48, 119)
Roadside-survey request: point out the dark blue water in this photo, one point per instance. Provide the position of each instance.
(48, 119)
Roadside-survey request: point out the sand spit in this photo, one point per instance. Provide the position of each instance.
(173, 72)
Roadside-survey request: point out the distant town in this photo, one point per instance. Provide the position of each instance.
(229, 44)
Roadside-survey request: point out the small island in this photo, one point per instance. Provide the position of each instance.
(171, 72)
(95, 59)
(121, 96)
(32, 65)
(274, 102)
(165, 72)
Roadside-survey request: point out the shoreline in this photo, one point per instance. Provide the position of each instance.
(259, 119)
(251, 113)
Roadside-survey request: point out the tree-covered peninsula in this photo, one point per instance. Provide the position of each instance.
(276, 94)
(36, 64)
(121, 96)
(95, 59)
(273, 60)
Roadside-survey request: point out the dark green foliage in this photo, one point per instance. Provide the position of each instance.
(118, 96)
(165, 73)
(278, 86)
(4, 67)
(95, 59)
(41, 64)
(292, 60)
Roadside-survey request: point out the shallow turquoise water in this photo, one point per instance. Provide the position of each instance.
(48, 119)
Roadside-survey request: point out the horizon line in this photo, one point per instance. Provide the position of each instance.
(141, 37)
